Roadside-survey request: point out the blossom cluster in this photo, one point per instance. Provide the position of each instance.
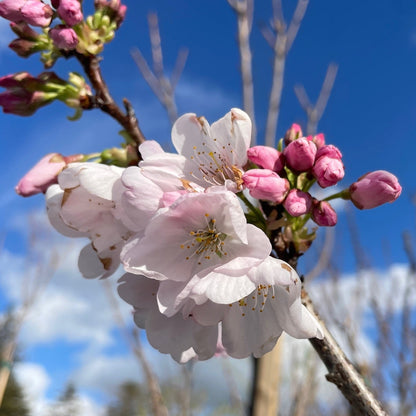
(56, 31)
(197, 273)
(201, 273)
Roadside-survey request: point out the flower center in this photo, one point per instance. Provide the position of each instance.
(214, 165)
(205, 241)
(256, 300)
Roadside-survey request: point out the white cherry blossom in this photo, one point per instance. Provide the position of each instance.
(202, 245)
(215, 154)
(84, 201)
(179, 335)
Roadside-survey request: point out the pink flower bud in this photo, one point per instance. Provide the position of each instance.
(55, 3)
(300, 154)
(266, 157)
(330, 151)
(374, 189)
(36, 13)
(23, 47)
(323, 214)
(328, 171)
(10, 10)
(64, 37)
(70, 12)
(319, 140)
(42, 175)
(266, 184)
(293, 133)
(24, 31)
(297, 202)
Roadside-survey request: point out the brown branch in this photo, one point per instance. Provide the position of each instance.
(244, 12)
(341, 372)
(281, 41)
(104, 100)
(314, 112)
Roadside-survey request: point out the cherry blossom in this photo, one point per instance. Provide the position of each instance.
(180, 336)
(85, 203)
(249, 326)
(207, 247)
(216, 154)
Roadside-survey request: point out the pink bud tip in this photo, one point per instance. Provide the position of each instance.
(297, 202)
(64, 37)
(293, 133)
(323, 213)
(70, 12)
(374, 189)
(41, 176)
(266, 184)
(300, 154)
(266, 157)
(328, 171)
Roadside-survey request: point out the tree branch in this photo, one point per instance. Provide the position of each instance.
(244, 11)
(162, 87)
(283, 40)
(341, 372)
(315, 112)
(105, 101)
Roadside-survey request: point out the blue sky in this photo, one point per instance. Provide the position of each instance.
(371, 114)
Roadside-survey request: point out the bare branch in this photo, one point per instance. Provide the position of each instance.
(294, 25)
(341, 371)
(179, 66)
(314, 112)
(278, 11)
(325, 256)
(155, 42)
(162, 87)
(147, 73)
(244, 12)
(104, 99)
(283, 40)
(302, 96)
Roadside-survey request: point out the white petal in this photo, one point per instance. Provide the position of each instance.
(188, 132)
(292, 316)
(138, 291)
(233, 131)
(246, 332)
(89, 263)
(150, 148)
(54, 196)
(224, 289)
(273, 272)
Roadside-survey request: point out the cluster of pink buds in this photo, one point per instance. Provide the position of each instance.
(25, 94)
(69, 33)
(287, 174)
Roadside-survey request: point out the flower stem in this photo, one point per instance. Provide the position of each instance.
(105, 101)
(345, 194)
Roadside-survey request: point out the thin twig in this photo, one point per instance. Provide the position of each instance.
(324, 257)
(281, 40)
(314, 112)
(31, 288)
(244, 12)
(161, 85)
(105, 101)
